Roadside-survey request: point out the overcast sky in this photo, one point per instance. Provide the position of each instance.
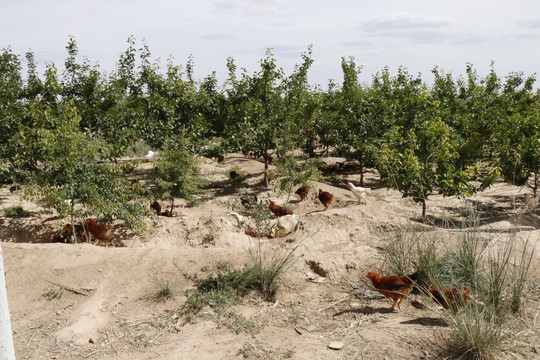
(416, 34)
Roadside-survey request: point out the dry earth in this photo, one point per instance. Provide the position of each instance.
(108, 307)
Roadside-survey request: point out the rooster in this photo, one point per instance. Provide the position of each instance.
(532, 203)
(278, 210)
(359, 192)
(102, 232)
(453, 298)
(393, 287)
(302, 192)
(325, 198)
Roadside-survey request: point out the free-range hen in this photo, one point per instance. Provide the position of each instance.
(393, 287)
(102, 232)
(325, 198)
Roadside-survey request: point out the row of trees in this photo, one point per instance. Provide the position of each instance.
(61, 134)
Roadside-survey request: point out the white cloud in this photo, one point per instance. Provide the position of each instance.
(529, 22)
(405, 21)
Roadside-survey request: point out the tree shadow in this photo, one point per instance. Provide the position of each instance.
(498, 208)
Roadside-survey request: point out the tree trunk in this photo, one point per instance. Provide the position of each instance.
(361, 173)
(424, 209)
(7, 350)
(266, 171)
(73, 222)
(535, 186)
(266, 157)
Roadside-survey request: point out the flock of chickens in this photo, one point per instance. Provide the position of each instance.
(398, 287)
(393, 287)
(325, 198)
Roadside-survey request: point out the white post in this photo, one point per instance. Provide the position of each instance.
(7, 350)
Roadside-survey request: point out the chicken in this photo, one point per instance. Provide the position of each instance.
(359, 192)
(150, 155)
(325, 198)
(241, 219)
(156, 207)
(393, 287)
(302, 192)
(532, 203)
(233, 175)
(166, 213)
(453, 298)
(254, 233)
(67, 233)
(278, 210)
(102, 232)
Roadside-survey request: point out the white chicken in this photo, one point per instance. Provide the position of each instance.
(532, 203)
(241, 219)
(359, 192)
(150, 154)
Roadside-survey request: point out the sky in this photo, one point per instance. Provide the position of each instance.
(415, 34)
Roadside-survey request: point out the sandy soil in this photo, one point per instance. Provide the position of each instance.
(108, 307)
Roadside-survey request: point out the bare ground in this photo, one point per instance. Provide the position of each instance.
(106, 305)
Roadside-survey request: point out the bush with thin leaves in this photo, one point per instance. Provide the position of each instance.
(477, 333)
(271, 262)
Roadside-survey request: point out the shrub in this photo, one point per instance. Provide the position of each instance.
(16, 212)
(478, 333)
(495, 268)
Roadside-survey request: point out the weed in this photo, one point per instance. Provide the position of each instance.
(163, 286)
(52, 294)
(247, 351)
(255, 209)
(240, 323)
(264, 352)
(210, 237)
(221, 289)
(16, 212)
(271, 263)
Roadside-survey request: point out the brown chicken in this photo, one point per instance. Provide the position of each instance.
(325, 198)
(166, 213)
(453, 298)
(302, 192)
(278, 210)
(393, 287)
(102, 232)
(233, 175)
(67, 233)
(156, 207)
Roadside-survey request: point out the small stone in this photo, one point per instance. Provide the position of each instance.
(336, 345)
(91, 341)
